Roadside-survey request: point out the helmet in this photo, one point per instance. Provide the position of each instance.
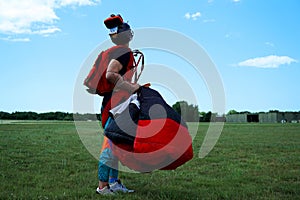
(113, 21)
(120, 32)
(123, 27)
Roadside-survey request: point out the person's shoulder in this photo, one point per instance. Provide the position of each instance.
(119, 50)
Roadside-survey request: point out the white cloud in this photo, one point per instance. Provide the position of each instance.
(77, 2)
(15, 39)
(235, 1)
(271, 61)
(194, 16)
(34, 16)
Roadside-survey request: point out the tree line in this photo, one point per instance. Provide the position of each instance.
(189, 113)
(63, 116)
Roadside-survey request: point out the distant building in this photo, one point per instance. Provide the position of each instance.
(237, 118)
(269, 117)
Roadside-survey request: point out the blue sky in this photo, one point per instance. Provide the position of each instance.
(254, 45)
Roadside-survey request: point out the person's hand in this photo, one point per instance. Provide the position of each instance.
(136, 87)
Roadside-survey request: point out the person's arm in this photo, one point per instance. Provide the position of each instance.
(113, 76)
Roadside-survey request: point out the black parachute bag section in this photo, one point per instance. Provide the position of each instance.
(122, 128)
(148, 98)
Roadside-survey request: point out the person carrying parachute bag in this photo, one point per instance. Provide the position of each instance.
(140, 129)
(111, 77)
(165, 149)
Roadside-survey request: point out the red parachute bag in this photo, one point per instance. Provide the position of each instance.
(96, 81)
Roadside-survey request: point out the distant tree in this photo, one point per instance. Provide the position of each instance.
(177, 107)
(59, 115)
(68, 117)
(189, 112)
(231, 112)
(201, 116)
(85, 117)
(5, 115)
(48, 116)
(207, 116)
(244, 112)
(24, 115)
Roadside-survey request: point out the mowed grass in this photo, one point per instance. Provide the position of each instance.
(47, 160)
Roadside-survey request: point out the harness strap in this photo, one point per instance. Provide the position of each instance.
(136, 64)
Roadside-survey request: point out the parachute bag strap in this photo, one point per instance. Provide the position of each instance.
(140, 55)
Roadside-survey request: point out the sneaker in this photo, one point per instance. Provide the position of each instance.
(119, 187)
(104, 191)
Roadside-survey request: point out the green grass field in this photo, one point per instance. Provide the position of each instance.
(47, 160)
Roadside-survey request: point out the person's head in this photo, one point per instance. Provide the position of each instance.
(123, 35)
(120, 32)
